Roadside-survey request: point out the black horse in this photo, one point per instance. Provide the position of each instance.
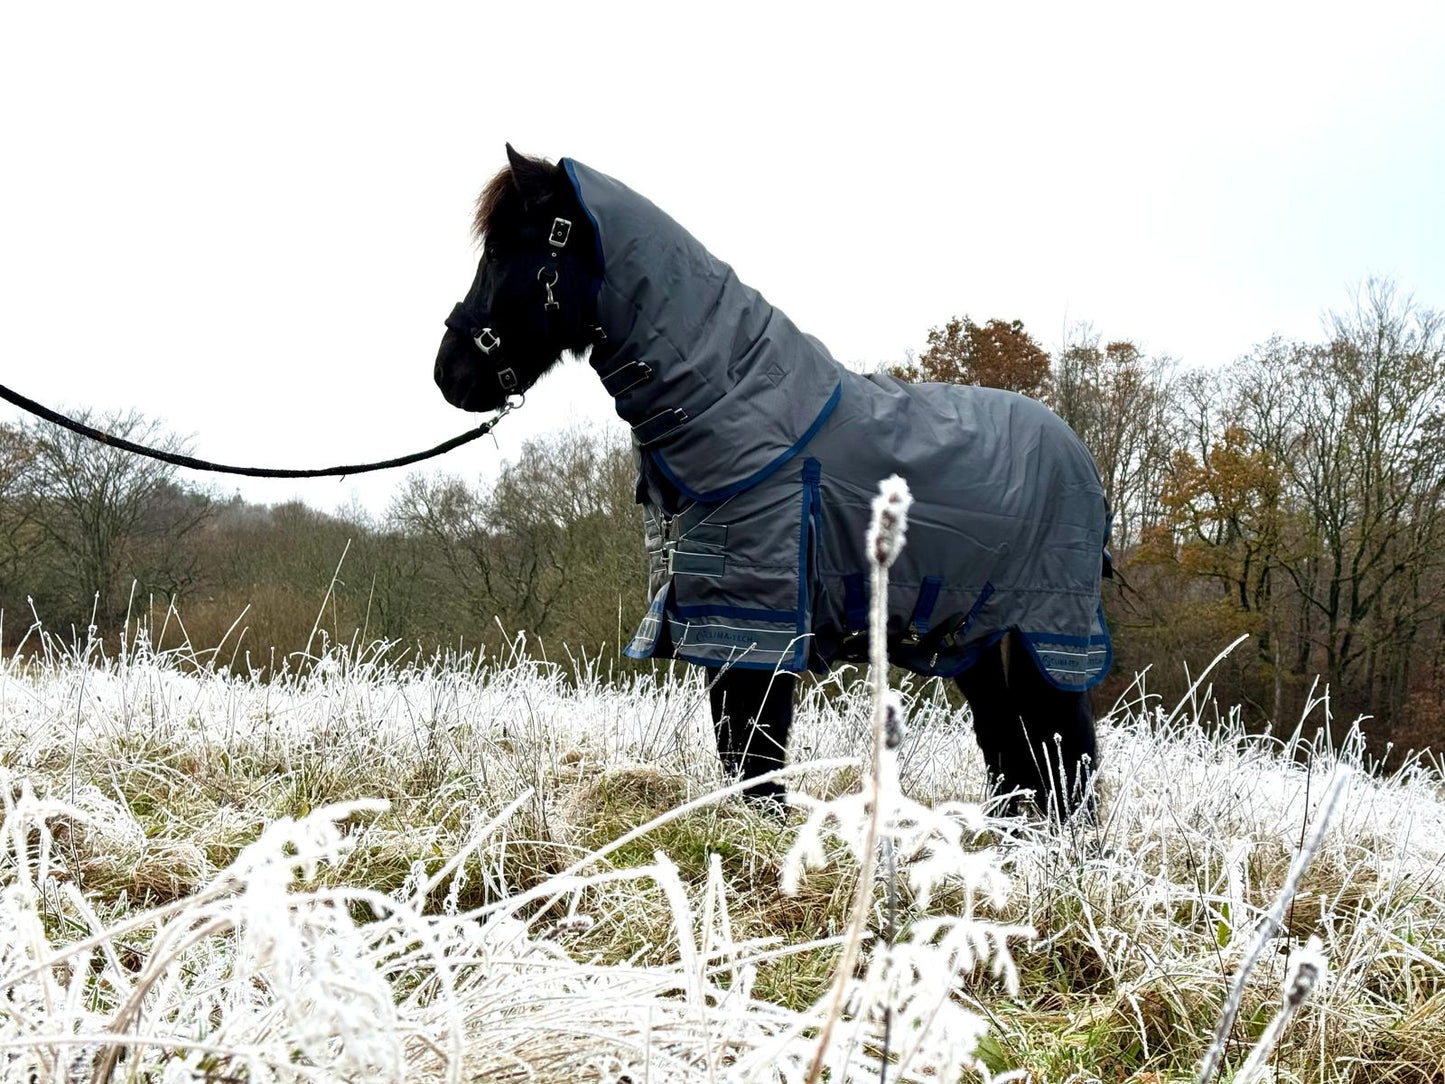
(758, 455)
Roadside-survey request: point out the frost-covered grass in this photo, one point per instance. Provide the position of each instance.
(430, 871)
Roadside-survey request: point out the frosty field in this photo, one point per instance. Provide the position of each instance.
(433, 871)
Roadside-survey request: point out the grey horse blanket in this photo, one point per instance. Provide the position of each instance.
(760, 456)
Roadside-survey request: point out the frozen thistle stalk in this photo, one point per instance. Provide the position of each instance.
(903, 1004)
(890, 520)
(1273, 921)
(1307, 970)
(894, 725)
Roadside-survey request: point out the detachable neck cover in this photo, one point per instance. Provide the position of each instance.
(720, 387)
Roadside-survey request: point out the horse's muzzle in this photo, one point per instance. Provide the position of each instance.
(458, 374)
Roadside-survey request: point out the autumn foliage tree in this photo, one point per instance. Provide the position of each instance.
(998, 354)
(1297, 494)
(1226, 507)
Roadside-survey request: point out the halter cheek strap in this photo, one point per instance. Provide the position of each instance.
(557, 238)
(548, 274)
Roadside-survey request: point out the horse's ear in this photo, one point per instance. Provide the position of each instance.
(534, 178)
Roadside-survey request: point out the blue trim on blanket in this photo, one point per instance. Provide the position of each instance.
(731, 643)
(743, 612)
(731, 664)
(742, 646)
(1108, 644)
(1090, 642)
(596, 290)
(812, 472)
(571, 171)
(1074, 641)
(635, 649)
(713, 496)
(796, 623)
(923, 608)
(970, 657)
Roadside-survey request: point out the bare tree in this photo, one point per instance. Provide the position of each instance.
(1119, 402)
(1370, 471)
(113, 516)
(17, 507)
(1311, 486)
(557, 529)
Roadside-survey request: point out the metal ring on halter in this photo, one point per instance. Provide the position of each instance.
(508, 405)
(487, 340)
(551, 302)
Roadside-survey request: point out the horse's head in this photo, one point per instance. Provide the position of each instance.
(534, 296)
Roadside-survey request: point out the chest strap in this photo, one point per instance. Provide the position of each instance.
(660, 425)
(626, 377)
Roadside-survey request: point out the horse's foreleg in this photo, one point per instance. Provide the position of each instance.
(996, 726)
(752, 712)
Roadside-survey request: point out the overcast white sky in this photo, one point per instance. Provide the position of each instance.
(251, 219)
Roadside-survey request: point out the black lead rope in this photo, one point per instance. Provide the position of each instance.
(251, 472)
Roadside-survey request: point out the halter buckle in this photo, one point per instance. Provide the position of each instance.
(508, 379)
(487, 340)
(561, 230)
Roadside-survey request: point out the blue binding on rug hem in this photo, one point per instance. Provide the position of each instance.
(1092, 642)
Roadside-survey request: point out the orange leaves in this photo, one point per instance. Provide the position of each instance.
(998, 354)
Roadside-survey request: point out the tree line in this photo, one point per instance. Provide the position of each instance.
(92, 537)
(1294, 494)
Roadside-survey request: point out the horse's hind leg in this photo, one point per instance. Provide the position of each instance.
(752, 712)
(1060, 728)
(1034, 736)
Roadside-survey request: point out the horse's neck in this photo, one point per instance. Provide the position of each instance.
(686, 338)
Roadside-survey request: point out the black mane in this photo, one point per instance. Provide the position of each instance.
(501, 200)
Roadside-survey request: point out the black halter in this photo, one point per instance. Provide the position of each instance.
(474, 325)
